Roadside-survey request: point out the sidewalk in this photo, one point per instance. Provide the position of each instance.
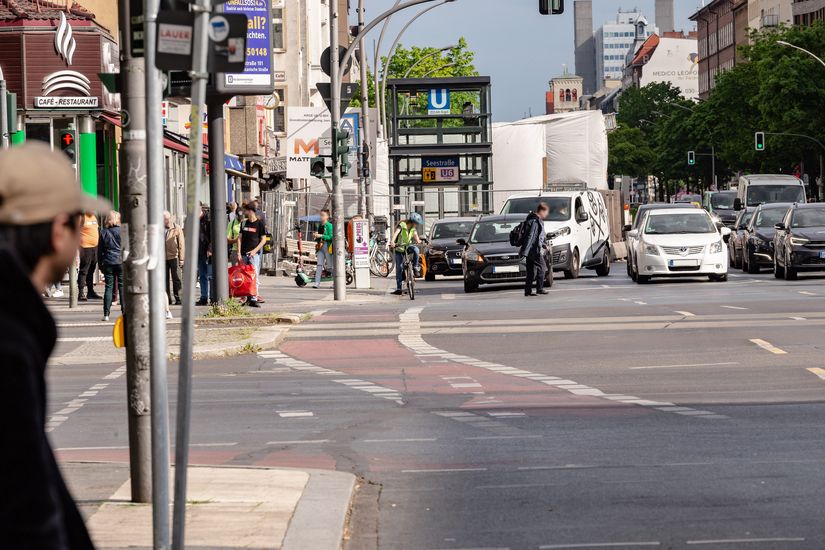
(227, 507)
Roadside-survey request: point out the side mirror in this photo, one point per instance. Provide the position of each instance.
(634, 233)
(780, 226)
(582, 217)
(462, 242)
(737, 204)
(725, 231)
(627, 228)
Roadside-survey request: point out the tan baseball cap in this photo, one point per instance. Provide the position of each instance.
(37, 184)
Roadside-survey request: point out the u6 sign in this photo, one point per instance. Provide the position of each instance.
(440, 170)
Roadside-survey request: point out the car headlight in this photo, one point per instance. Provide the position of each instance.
(799, 241)
(651, 250)
(563, 232)
(716, 248)
(474, 257)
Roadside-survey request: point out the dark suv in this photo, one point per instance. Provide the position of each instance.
(443, 254)
(799, 243)
(758, 239)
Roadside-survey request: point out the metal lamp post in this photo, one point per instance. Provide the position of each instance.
(441, 68)
(794, 46)
(429, 55)
(4, 115)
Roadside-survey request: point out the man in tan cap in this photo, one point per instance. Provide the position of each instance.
(41, 208)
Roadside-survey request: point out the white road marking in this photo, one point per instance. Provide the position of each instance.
(686, 313)
(799, 318)
(295, 414)
(685, 366)
(734, 307)
(85, 339)
(640, 302)
(746, 541)
(483, 437)
(818, 372)
(443, 470)
(767, 346)
(806, 293)
(448, 296)
(301, 442)
(600, 545)
(54, 421)
(403, 440)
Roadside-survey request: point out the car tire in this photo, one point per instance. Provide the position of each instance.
(429, 276)
(573, 272)
(629, 270)
(753, 266)
(718, 278)
(603, 269)
(634, 272)
(778, 271)
(470, 287)
(791, 274)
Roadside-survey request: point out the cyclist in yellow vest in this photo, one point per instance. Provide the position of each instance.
(405, 234)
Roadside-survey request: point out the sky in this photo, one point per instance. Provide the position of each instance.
(517, 47)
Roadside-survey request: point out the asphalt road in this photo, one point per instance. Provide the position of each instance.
(683, 414)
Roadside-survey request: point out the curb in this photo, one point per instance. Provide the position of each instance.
(263, 338)
(320, 518)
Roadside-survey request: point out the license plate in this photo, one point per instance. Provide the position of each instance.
(505, 269)
(682, 263)
(455, 261)
(822, 254)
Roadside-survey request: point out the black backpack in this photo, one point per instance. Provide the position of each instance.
(518, 234)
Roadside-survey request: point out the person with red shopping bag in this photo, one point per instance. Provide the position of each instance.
(251, 243)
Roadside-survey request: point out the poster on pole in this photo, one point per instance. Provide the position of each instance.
(306, 129)
(256, 77)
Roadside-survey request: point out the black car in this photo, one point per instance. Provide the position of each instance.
(758, 251)
(443, 254)
(736, 245)
(489, 257)
(800, 241)
(721, 205)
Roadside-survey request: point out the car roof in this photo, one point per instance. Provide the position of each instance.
(659, 206)
(772, 205)
(682, 210)
(456, 219)
(501, 218)
(808, 205)
(764, 178)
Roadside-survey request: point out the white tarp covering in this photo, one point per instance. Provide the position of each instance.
(381, 180)
(574, 146)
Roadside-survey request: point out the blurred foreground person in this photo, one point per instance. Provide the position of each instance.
(41, 209)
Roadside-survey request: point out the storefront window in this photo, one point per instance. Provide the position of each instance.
(278, 38)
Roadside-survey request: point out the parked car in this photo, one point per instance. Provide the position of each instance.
(736, 245)
(720, 205)
(579, 221)
(799, 242)
(758, 238)
(489, 257)
(630, 242)
(443, 255)
(683, 242)
(756, 189)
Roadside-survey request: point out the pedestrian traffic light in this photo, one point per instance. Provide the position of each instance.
(691, 158)
(759, 139)
(320, 167)
(342, 150)
(551, 7)
(67, 144)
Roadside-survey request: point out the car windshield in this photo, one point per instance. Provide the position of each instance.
(559, 207)
(769, 217)
(809, 217)
(689, 198)
(722, 201)
(746, 218)
(492, 232)
(452, 230)
(765, 194)
(670, 224)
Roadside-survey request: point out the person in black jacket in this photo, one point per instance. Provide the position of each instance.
(109, 256)
(41, 207)
(205, 273)
(533, 249)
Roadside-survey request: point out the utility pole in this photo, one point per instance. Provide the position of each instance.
(366, 169)
(135, 280)
(157, 284)
(217, 199)
(4, 114)
(339, 276)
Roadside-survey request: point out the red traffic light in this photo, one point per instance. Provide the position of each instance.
(67, 139)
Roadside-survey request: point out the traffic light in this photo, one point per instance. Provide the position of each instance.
(759, 139)
(341, 150)
(691, 158)
(67, 145)
(320, 167)
(551, 7)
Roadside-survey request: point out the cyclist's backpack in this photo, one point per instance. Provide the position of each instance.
(518, 234)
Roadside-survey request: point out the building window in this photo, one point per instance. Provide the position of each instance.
(278, 36)
(276, 118)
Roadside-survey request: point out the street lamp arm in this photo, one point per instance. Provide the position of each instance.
(446, 66)
(794, 46)
(788, 134)
(371, 25)
(429, 55)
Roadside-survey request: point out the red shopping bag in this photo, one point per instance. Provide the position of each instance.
(242, 281)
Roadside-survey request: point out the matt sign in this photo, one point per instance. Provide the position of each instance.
(306, 127)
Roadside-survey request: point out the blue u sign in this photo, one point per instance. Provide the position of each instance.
(438, 101)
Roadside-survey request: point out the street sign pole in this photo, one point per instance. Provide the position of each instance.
(200, 44)
(366, 172)
(4, 114)
(217, 199)
(339, 276)
(157, 283)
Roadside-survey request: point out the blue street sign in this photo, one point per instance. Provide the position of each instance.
(349, 121)
(439, 162)
(438, 101)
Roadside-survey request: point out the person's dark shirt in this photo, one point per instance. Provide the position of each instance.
(205, 237)
(108, 246)
(251, 235)
(535, 237)
(36, 510)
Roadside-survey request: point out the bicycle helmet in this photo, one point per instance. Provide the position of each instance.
(415, 217)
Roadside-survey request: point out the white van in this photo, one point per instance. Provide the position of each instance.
(756, 189)
(579, 221)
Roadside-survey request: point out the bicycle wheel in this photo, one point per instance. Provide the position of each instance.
(380, 265)
(409, 275)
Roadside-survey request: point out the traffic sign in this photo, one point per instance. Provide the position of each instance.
(326, 61)
(347, 93)
(438, 101)
(227, 44)
(440, 170)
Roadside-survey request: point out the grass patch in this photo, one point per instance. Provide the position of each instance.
(227, 308)
(250, 348)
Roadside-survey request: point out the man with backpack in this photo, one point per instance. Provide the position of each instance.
(532, 247)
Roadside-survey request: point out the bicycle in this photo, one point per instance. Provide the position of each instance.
(381, 261)
(409, 274)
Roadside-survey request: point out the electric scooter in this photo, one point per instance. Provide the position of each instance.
(302, 279)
